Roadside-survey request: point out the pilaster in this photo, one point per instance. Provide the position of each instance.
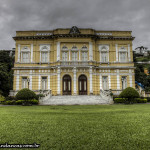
(116, 45)
(90, 51)
(17, 80)
(91, 83)
(18, 52)
(58, 81)
(74, 79)
(30, 77)
(58, 51)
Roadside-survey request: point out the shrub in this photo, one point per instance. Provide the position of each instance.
(134, 100)
(23, 102)
(2, 99)
(39, 95)
(119, 100)
(129, 93)
(140, 100)
(25, 94)
(9, 102)
(34, 101)
(10, 98)
(19, 102)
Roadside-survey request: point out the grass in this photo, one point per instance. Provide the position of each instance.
(99, 127)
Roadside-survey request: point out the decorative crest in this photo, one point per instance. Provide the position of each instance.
(74, 30)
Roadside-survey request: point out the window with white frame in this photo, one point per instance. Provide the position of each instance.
(44, 83)
(25, 55)
(44, 56)
(64, 56)
(104, 53)
(104, 56)
(105, 82)
(124, 82)
(44, 53)
(24, 82)
(74, 56)
(84, 56)
(122, 55)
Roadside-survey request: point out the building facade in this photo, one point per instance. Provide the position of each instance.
(73, 61)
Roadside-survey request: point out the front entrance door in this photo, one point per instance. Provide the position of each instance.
(66, 85)
(82, 85)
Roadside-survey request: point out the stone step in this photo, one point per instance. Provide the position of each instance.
(74, 100)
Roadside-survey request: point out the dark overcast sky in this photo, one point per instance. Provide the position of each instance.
(98, 14)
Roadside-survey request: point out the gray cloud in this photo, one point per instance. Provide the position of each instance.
(50, 14)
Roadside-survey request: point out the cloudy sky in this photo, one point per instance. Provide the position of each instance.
(98, 14)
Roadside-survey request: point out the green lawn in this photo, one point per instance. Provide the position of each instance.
(100, 127)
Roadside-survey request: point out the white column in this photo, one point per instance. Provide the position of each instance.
(91, 85)
(129, 52)
(39, 83)
(100, 79)
(31, 52)
(130, 77)
(30, 77)
(100, 56)
(109, 81)
(58, 81)
(17, 80)
(90, 51)
(18, 52)
(118, 80)
(116, 52)
(40, 56)
(69, 55)
(79, 55)
(58, 51)
(74, 79)
(108, 55)
(48, 82)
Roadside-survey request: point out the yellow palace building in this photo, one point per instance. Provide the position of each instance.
(73, 61)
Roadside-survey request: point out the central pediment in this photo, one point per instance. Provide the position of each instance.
(74, 30)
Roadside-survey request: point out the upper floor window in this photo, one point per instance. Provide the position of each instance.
(44, 57)
(64, 56)
(104, 56)
(104, 53)
(25, 55)
(84, 56)
(123, 54)
(44, 53)
(74, 56)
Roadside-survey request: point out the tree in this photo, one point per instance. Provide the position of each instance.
(6, 73)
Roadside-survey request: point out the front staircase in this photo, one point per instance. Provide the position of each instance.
(75, 100)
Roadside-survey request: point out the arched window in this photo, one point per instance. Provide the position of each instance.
(74, 53)
(122, 54)
(64, 53)
(25, 55)
(44, 53)
(84, 53)
(104, 53)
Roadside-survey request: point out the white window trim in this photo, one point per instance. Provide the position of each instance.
(123, 50)
(45, 50)
(104, 50)
(25, 49)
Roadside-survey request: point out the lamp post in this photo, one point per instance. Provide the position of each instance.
(28, 80)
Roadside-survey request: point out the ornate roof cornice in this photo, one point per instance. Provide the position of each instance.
(73, 36)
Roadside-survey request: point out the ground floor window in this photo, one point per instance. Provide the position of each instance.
(24, 82)
(44, 83)
(105, 82)
(124, 82)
